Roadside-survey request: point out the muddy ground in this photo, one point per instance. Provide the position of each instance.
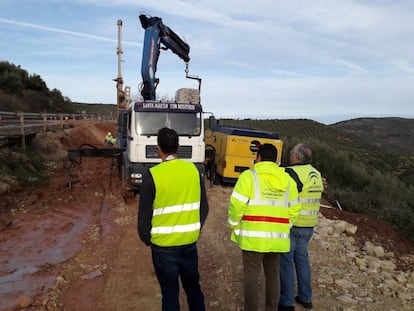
(77, 248)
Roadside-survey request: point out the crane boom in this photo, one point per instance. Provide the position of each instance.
(156, 33)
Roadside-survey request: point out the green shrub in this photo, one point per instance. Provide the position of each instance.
(27, 168)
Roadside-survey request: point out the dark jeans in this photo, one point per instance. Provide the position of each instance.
(252, 266)
(172, 263)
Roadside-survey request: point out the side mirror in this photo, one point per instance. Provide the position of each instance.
(212, 122)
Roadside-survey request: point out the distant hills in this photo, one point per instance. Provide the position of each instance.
(393, 134)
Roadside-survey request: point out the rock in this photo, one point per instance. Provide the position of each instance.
(92, 275)
(360, 279)
(340, 226)
(23, 302)
(347, 300)
(374, 250)
(351, 229)
(60, 280)
(345, 284)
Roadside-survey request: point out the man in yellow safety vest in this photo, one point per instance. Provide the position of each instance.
(263, 205)
(172, 210)
(310, 189)
(109, 139)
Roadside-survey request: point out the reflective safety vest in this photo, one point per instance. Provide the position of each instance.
(176, 206)
(110, 139)
(311, 194)
(263, 205)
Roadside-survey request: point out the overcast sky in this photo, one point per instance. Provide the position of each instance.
(326, 60)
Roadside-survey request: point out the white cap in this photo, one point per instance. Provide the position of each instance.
(109, 133)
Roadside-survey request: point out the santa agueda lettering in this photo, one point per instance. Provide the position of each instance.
(155, 105)
(168, 106)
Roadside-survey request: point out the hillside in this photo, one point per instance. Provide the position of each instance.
(361, 146)
(26, 92)
(395, 135)
(391, 136)
(327, 140)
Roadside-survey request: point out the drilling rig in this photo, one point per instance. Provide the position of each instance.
(123, 97)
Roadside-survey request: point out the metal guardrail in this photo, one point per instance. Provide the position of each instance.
(22, 124)
(50, 116)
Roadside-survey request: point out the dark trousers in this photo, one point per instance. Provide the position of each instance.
(172, 263)
(252, 265)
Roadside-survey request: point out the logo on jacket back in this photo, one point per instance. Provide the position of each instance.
(313, 176)
(315, 180)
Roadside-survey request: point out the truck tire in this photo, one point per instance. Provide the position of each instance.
(212, 173)
(216, 179)
(126, 192)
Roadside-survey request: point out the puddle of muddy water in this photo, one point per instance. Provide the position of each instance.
(32, 243)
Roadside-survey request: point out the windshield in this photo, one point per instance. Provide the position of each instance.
(186, 124)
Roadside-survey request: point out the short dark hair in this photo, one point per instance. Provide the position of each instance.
(268, 152)
(167, 140)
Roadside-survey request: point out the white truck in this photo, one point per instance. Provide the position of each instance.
(139, 122)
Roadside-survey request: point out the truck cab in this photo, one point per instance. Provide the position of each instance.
(145, 118)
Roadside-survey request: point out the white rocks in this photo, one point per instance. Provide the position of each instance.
(374, 250)
(347, 300)
(23, 302)
(359, 279)
(345, 284)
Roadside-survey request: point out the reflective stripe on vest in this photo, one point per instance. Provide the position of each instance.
(310, 201)
(261, 234)
(266, 219)
(308, 213)
(310, 197)
(240, 197)
(176, 229)
(176, 209)
(247, 235)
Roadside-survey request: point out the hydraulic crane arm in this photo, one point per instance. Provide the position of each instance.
(156, 33)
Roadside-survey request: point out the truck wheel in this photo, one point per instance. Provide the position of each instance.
(208, 167)
(126, 192)
(210, 175)
(216, 179)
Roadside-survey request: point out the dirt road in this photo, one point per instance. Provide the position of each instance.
(78, 249)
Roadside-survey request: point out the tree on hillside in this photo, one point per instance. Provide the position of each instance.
(11, 83)
(36, 83)
(28, 91)
(13, 80)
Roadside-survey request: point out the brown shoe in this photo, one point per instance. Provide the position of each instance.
(286, 308)
(306, 305)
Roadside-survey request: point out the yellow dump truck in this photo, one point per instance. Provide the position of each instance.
(231, 150)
